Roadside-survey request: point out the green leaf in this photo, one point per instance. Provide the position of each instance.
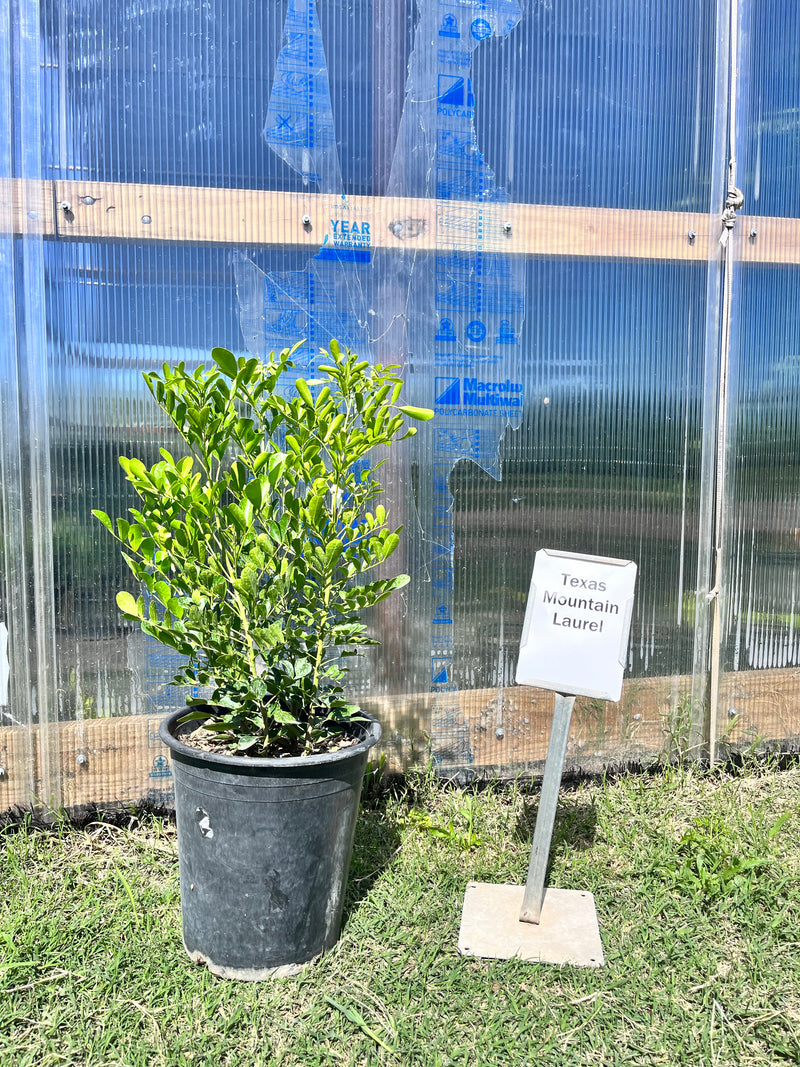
(335, 426)
(128, 605)
(390, 544)
(236, 516)
(422, 414)
(333, 552)
(101, 515)
(163, 592)
(254, 492)
(777, 825)
(304, 391)
(225, 360)
(354, 1017)
(194, 716)
(175, 607)
(284, 718)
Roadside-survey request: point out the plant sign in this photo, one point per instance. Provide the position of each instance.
(577, 622)
(574, 641)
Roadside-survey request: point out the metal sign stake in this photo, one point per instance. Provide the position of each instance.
(531, 911)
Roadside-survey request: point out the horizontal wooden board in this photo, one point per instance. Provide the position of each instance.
(761, 239)
(27, 206)
(109, 761)
(255, 217)
(114, 761)
(19, 764)
(110, 211)
(118, 211)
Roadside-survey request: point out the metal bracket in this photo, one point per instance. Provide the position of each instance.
(733, 203)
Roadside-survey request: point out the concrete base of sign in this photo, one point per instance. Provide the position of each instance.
(568, 931)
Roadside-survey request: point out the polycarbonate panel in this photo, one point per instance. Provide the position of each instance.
(607, 104)
(760, 618)
(575, 392)
(764, 495)
(176, 93)
(32, 624)
(18, 779)
(621, 347)
(768, 89)
(761, 636)
(123, 310)
(606, 460)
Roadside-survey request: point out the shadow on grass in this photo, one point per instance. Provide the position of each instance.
(575, 825)
(376, 843)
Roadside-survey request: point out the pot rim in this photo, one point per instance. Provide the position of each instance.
(168, 725)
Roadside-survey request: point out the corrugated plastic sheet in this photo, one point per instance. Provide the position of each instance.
(576, 395)
(762, 479)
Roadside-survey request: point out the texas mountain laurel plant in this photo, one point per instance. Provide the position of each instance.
(257, 548)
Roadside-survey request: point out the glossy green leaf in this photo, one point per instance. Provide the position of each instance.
(106, 521)
(128, 604)
(254, 492)
(225, 360)
(421, 414)
(304, 391)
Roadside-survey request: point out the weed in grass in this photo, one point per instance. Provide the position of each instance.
(678, 726)
(713, 861)
(467, 838)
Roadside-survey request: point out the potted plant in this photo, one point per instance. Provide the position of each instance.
(256, 551)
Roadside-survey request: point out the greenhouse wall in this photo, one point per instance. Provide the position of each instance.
(575, 226)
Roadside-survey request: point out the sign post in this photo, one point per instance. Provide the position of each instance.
(533, 898)
(574, 641)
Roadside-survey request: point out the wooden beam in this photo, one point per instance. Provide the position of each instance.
(117, 211)
(121, 212)
(763, 239)
(19, 766)
(109, 761)
(26, 206)
(119, 760)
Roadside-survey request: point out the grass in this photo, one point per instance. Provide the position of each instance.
(696, 878)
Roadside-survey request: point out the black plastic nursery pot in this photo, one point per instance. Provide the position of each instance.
(264, 850)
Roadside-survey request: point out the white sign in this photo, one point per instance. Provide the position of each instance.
(577, 621)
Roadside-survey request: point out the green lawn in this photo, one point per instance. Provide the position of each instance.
(697, 884)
